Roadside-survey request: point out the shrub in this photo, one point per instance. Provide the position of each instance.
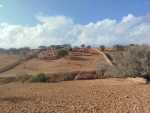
(119, 47)
(89, 46)
(40, 78)
(83, 46)
(57, 77)
(101, 69)
(134, 61)
(69, 76)
(62, 52)
(102, 47)
(86, 75)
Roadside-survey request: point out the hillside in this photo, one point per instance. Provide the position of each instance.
(6, 59)
(67, 64)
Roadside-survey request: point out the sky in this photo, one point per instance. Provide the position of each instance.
(93, 22)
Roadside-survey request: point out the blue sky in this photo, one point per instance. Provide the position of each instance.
(81, 11)
(92, 22)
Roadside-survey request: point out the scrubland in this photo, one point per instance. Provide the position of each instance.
(65, 85)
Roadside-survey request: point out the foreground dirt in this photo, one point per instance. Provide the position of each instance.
(94, 96)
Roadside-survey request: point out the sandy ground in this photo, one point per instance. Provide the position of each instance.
(35, 66)
(93, 96)
(6, 59)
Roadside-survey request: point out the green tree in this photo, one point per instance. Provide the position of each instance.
(62, 52)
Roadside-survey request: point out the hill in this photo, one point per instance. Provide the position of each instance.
(66, 64)
(6, 59)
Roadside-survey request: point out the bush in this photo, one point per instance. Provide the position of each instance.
(134, 61)
(102, 47)
(40, 78)
(62, 52)
(57, 77)
(89, 46)
(83, 46)
(101, 69)
(119, 47)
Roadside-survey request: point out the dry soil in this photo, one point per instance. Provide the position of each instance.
(91, 96)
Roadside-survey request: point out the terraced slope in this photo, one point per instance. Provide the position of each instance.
(35, 66)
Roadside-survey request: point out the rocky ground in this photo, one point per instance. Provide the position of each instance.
(90, 96)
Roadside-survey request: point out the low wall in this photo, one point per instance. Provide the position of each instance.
(10, 66)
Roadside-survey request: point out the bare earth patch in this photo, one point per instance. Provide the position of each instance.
(89, 96)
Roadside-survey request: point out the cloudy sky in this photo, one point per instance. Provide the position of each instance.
(93, 22)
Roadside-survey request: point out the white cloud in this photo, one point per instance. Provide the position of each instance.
(1, 5)
(61, 29)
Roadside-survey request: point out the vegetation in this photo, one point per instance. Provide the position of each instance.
(83, 46)
(40, 78)
(62, 52)
(102, 47)
(42, 47)
(101, 70)
(57, 77)
(119, 47)
(64, 46)
(133, 62)
(89, 46)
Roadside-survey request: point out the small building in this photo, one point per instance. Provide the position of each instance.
(48, 54)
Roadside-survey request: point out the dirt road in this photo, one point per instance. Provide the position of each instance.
(93, 96)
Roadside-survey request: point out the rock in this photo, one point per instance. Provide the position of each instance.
(139, 80)
(85, 76)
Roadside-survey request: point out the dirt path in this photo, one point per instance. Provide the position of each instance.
(105, 57)
(94, 96)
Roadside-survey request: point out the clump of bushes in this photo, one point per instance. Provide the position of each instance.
(40, 78)
(101, 69)
(54, 77)
(102, 47)
(119, 47)
(62, 52)
(57, 77)
(133, 62)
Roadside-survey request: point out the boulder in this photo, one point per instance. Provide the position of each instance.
(85, 76)
(139, 80)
